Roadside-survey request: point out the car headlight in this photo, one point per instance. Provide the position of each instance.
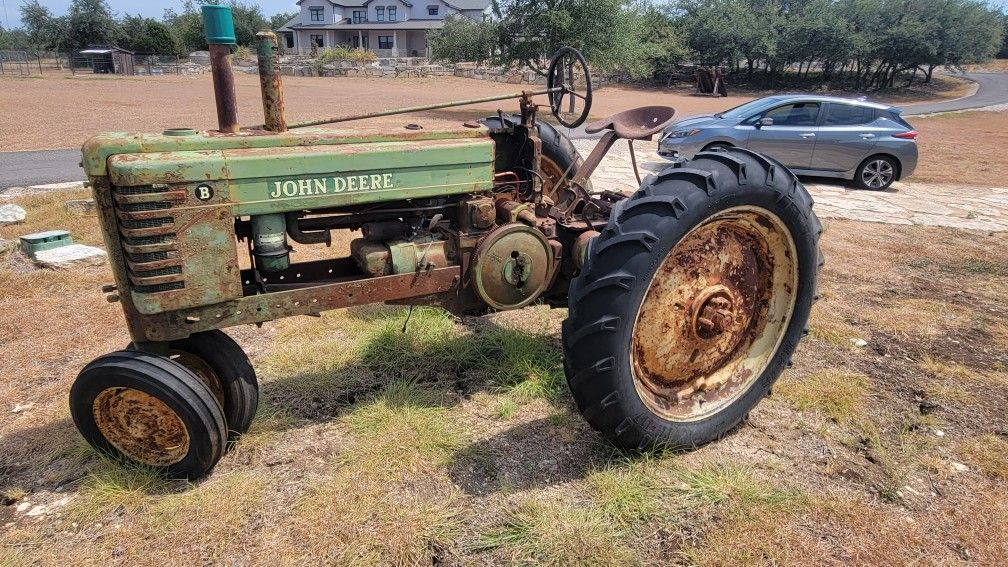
(682, 133)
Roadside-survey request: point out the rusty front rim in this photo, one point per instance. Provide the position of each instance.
(141, 426)
(552, 174)
(714, 314)
(202, 370)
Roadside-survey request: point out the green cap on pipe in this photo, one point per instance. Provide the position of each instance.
(218, 24)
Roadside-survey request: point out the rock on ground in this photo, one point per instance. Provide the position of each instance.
(80, 206)
(71, 256)
(7, 246)
(11, 214)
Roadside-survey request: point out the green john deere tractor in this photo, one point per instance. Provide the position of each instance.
(686, 299)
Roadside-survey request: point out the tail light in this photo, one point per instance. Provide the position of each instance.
(911, 135)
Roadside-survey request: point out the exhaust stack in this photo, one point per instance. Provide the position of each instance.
(218, 27)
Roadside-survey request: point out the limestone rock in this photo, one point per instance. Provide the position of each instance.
(73, 255)
(80, 206)
(11, 214)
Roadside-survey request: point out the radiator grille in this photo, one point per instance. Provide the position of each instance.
(148, 238)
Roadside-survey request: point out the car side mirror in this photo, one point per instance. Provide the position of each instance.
(765, 121)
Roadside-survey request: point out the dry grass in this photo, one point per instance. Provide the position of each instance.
(989, 453)
(456, 442)
(966, 141)
(835, 394)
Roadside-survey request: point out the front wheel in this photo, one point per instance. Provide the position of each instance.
(692, 300)
(150, 410)
(876, 173)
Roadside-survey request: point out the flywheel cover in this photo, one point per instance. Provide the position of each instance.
(512, 266)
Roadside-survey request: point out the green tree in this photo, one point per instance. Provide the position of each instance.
(147, 35)
(463, 39)
(610, 33)
(44, 30)
(277, 21)
(188, 24)
(91, 22)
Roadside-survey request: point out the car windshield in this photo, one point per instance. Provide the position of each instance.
(744, 110)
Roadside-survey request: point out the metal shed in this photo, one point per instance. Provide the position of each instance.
(107, 59)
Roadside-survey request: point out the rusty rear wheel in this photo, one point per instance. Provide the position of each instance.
(714, 313)
(149, 410)
(692, 300)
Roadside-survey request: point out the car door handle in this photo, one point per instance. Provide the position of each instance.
(808, 135)
(867, 136)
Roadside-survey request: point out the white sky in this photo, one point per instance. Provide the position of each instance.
(10, 15)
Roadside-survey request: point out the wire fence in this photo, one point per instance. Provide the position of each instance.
(29, 63)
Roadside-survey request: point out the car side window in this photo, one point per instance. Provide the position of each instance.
(847, 115)
(795, 114)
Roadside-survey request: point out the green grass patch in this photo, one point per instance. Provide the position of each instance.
(734, 486)
(402, 428)
(113, 485)
(838, 395)
(557, 534)
(625, 494)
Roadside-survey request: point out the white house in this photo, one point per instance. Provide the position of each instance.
(390, 28)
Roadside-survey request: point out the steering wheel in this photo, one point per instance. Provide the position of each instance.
(566, 64)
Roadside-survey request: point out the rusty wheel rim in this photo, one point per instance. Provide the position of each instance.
(141, 426)
(203, 371)
(714, 314)
(552, 174)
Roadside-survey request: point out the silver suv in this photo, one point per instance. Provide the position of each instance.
(866, 142)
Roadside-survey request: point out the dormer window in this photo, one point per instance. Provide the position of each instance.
(380, 10)
(317, 13)
(432, 9)
(391, 13)
(359, 16)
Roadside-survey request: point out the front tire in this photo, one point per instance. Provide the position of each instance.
(692, 300)
(150, 410)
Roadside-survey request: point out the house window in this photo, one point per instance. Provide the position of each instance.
(381, 13)
(391, 13)
(316, 40)
(385, 42)
(316, 13)
(432, 10)
(290, 40)
(359, 16)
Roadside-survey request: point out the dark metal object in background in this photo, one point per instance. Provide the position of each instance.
(224, 90)
(270, 81)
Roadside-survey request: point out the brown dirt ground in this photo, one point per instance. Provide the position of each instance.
(962, 147)
(62, 112)
(866, 467)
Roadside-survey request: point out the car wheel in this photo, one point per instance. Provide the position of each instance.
(876, 173)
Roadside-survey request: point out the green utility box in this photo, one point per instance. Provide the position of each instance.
(39, 241)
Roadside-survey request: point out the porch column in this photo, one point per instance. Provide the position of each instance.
(395, 43)
(360, 39)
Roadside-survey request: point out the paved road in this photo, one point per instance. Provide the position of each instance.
(19, 169)
(992, 90)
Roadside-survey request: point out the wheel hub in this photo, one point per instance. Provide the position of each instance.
(713, 312)
(141, 426)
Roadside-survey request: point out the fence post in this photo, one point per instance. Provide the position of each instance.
(150, 70)
(178, 70)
